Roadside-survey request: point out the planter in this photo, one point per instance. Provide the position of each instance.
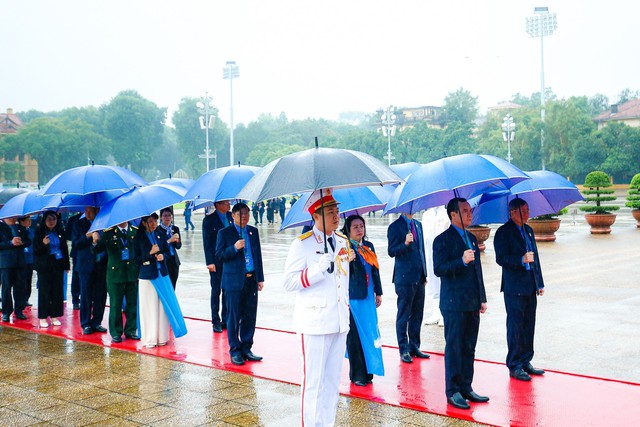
(636, 215)
(482, 233)
(600, 223)
(544, 229)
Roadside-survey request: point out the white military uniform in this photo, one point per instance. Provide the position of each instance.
(321, 317)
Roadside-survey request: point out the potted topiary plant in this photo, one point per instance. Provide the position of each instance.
(545, 226)
(596, 190)
(482, 233)
(633, 198)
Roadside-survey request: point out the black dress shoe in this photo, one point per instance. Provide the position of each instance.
(406, 358)
(5, 318)
(472, 396)
(217, 328)
(29, 304)
(458, 401)
(529, 369)
(520, 375)
(251, 357)
(223, 325)
(237, 360)
(100, 328)
(87, 330)
(76, 306)
(419, 354)
(132, 337)
(21, 316)
(359, 383)
(116, 339)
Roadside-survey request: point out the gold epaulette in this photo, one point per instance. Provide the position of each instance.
(110, 228)
(133, 226)
(341, 235)
(306, 235)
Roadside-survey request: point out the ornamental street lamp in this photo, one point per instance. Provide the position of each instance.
(387, 121)
(229, 72)
(542, 24)
(508, 133)
(205, 106)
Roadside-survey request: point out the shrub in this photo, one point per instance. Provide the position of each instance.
(562, 211)
(633, 196)
(597, 183)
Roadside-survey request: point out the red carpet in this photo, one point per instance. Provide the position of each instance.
(556, 399)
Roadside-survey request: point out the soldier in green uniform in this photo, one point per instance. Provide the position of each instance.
(122, 279)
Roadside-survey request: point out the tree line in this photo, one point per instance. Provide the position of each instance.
(132, 132)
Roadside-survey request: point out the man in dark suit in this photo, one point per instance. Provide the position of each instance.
(173, 239)
(406, 245)
(211, 225)
(122, 279)
(456, 260)
(238, 247)
(92, 268)
(13, 239)
(517, 254)
(75, 279)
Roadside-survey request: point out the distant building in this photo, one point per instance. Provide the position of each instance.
(407, 117)
(22, 167)
(504, 107)
(627, 113)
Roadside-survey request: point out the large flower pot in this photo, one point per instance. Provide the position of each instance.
(544, 229)
(636, 215)
(600, 223)
(482, 233)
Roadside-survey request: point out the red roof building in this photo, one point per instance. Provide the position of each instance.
(627, 113)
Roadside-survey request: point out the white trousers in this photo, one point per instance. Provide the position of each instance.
(154, 324)
(322, 357)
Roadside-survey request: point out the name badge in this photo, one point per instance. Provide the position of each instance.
(125, 254)
(58, 254)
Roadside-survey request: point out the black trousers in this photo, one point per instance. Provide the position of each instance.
(521, 326)
(357, 364)
(461, 336)
(174, 270)
(216, 291)
(12, 282)
(409, 316)
(242, 309)
(50, 293)
(93, 296)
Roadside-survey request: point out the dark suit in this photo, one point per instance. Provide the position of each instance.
(50, 273)
(12, 260)
(520, 288)
(92, 269)
(75, 278)
(409, 277)
(359, 289)
(211, 225)
(240, 286)
(461, 295)
(173, 260)
(149, 266)
(122, 278)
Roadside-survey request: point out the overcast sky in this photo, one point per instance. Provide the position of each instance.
(309, 59)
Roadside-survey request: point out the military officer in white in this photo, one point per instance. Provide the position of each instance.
(321, 315)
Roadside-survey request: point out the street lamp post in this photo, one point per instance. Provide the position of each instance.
(205, 106)
(229, 72)
(508, 133)
(388, 120)
(542, 24)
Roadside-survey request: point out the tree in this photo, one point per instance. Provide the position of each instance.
(190, 138)
(460, 106)
(135, 125)
(626, 95)
(57, 145)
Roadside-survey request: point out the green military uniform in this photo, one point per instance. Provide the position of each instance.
(122, 279)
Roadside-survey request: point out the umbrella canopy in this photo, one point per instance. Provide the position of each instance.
(25, 204)
(220, 184)
(75, 203)
(354, 200)
(139, 202)
(545, 193)
(314, 169)
(405, 169)
(8, 193)
(176, 182)
(92, 179)
(465, 175)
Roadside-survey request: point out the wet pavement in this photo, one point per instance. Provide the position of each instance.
(586, 325)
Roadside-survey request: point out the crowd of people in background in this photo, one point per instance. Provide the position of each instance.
(138, 267)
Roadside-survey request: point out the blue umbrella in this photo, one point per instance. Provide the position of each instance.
(465, 175)
(545, 193)
(25, 204)
(220, 184)
(74, 202)
(176, 182)
(139, 202)
(354, 200)
(405, 169)
(92, 179)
